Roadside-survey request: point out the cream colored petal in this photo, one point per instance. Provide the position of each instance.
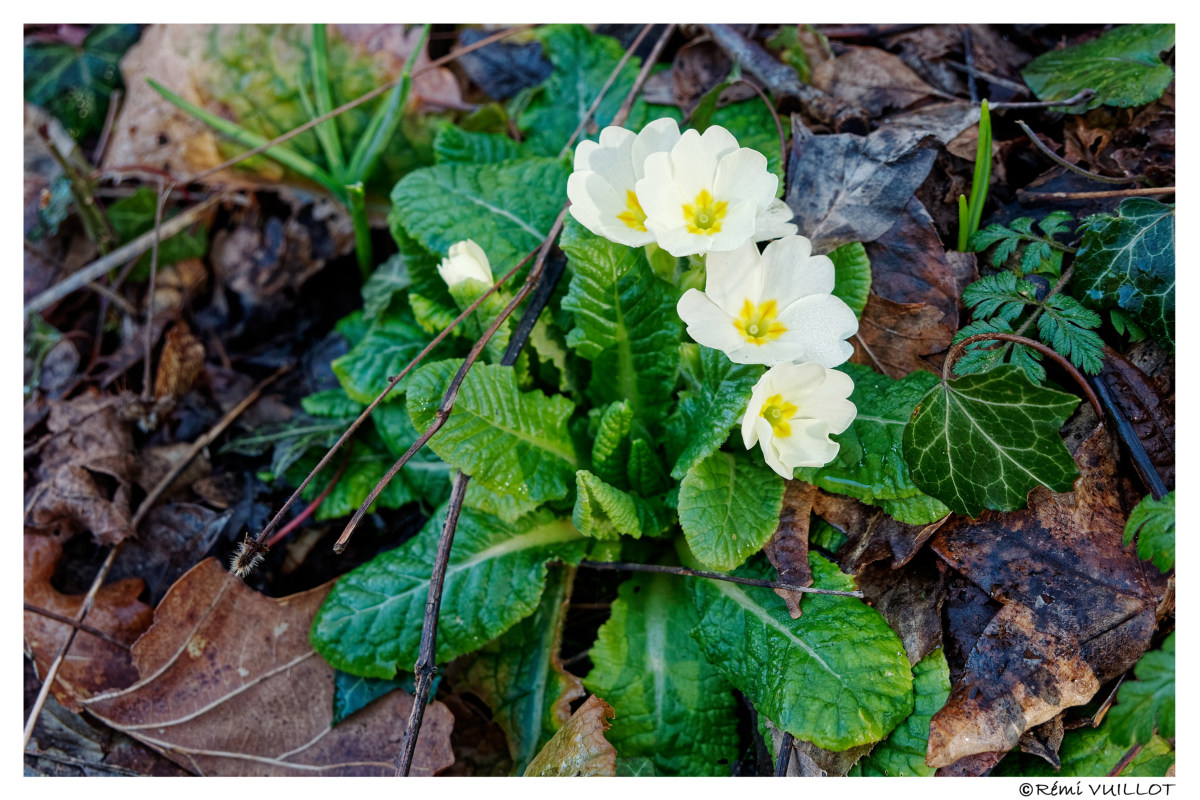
(808, 446)
(821, 323)
(596, 204)
(788, 276)
(676, 241)
(694, 166)
(771, 449)
(617, 137)
(657, 137)
(583, 154)
(733, 276)
(758, 396)
(742, 175)
(774, 222)
(706, 323)
(737, 228)
(719, 141)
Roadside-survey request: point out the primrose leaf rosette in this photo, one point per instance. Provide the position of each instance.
(771, 308)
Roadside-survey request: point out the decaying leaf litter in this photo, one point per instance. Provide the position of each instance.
(1016, 622)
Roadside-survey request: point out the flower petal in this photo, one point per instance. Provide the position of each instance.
(770, 448)
(657, 137)
(819, 324)
(774, 222)
(733, 276)
(706, 323)
(742, 175)
(808, 446)
(694, 164)
(719, 141)
(595, 203)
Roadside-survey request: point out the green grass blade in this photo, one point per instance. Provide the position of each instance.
(327, 131)
(964, 223)
(983, 169)
(385, 120)
(281, 153)
(362, 228)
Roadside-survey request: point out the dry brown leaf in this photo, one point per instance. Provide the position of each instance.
(579, 749)
(893, 336)
(84, 473)
(180, 363)
(229, 685)
(787, 550)
(92, 664)
(871, 78)
(871, 535)
(909, 264)
(910, 599)
(1150, 410)
(1079, 609)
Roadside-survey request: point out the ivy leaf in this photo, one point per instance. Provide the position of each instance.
(919, 509)
(729, 506)
(512, 442)
(1122, 66)
(983, 441)
(1128, 262)
(74, 83)
(903, 753)
(852, 275)
(582, 62)
(672, 706)
(837, 677)
(1153, 521)
(370, 624)
(716, 397)
(625, 322)
(870, 462)
(448, 203)
(392, 341)
(453, 144)
(521, 677)
(605, 512)
(1149, 701)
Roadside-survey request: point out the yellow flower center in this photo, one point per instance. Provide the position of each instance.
(633, 216)
(758, 324)
(704, 215)
(778, 412)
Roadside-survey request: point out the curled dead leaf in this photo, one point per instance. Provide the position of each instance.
(92, 664)
(229, 685)
(872, 78)
(787, 549)
(579, 749)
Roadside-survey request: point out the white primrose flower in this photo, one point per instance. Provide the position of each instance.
(601, 188)
(706, 194)
(792, 411)
(770, 308)
(466, 261)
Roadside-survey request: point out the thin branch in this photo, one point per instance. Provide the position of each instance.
(785, 755)
(99, 634)
(1067, 165)
(103, 265)
(626, 566)
(201, 443)
(783, 149)
(1082, 97)
(75, 762)
(164, 191)
(957, 350)
(612, 77)
(640, 80)
(1144, 191)
(1129, 756)
(311, 508)
(995, 80)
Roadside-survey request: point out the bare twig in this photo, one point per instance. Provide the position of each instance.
(311, 508)
(201, 443)
(114, 102)
(1144, 191)
(75, 762)
(1062, 162)
(103, 265)
(640, 80)
(783, 149)
(1129, 756)
(785, 755)
(957, 350)
(625, 566)
(1083, 96)
(612, 77)
(99, 634)
(164, 191)
(990, 78)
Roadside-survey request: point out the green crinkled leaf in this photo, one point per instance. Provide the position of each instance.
(625, 322)
(645, 472)
(453, 144)
(370, 624)
(983, 441)
(837, 677)
(1153, 521)
(368, 461)
(716, 397)
(672, 706)
(1128, 262)
(478, 321)
(74, 83)
(521, 678)
(352, 692)
(439, 206)
(1148, 702)
(640, 767)
(870, 462)
(1090, 753)
(508, 507)
(512, 442)
(389, 279)
(610, 446)
(729, 506)
(582, 63)
(391, 342)
(903, 753)
(852, 275)
(427, 476)
(1122, 66)
(331, 403)
(605, 512)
